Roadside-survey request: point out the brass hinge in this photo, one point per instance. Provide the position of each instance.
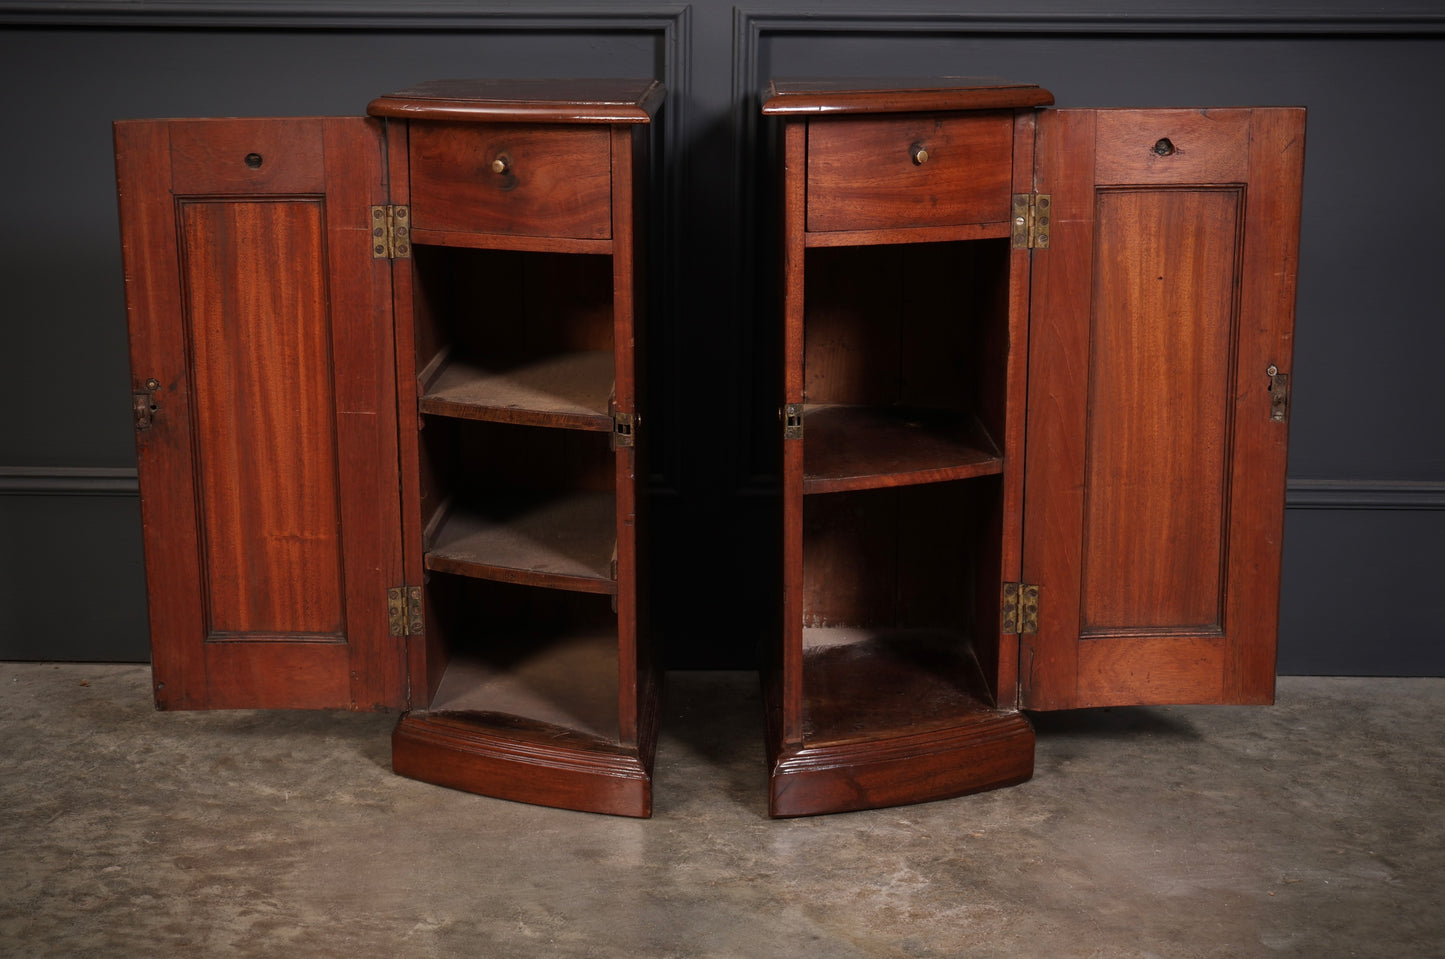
(623, 429)
(1278, 395)
(143, 404)
(404, 611)
(1020, 608)
(1031, 217)
(792, 417)
(390, 232)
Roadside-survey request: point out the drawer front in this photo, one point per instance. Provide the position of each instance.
(901, 172)
(515, 179)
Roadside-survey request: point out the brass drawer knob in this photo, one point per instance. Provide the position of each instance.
(501, 164)
(919, 154)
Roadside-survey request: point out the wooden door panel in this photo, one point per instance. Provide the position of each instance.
(1158, 410)
(268, 481)
(265, 425)
(1154, 479)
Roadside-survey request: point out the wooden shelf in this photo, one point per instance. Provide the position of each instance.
(868, 447)
(562, 541)
(550, 687)
(571, 390)
(532, 714)
(867, 684)
(892, 716)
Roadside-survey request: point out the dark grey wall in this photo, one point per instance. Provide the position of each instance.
(1367, 468)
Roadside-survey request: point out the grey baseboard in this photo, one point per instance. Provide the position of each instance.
(1364, 494)
(68, 481)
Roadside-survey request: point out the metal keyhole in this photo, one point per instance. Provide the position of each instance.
(254, 161)
(1164, 147)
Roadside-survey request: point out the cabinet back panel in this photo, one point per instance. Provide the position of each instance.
(266, 448)
(1158, 430)
(902, 324)
(901, 557)
(502, 456)
(489, 304)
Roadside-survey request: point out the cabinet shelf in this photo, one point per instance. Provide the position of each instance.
(571, 390)
(871, 447)
(561, 541)
(867, 684)
(561, 687)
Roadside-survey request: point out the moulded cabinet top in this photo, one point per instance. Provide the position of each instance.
(532, 101)
(823, 96)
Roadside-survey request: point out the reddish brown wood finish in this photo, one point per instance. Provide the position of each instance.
(912, 235)
(480, 754)
(1155, 475)
(903, 446)
(572, 390)
(511, 241)
(526, 100)
(894, 495)
(553, 181)
(518, 514)
(1160, 454)
(1002, 408)
(562, 541)
(637, 679)
(831, 96)
(271, 537)
(786, 683)
(986, 750)
(252, 348)
(864, 173)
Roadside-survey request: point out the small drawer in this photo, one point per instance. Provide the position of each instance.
(903, 172)
(514, 179)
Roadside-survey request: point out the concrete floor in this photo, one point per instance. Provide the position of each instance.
(1313, 828)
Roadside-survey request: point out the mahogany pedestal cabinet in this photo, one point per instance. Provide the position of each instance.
(388, 424)
(1034, 422)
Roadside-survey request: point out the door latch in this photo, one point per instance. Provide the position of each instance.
(1278, 395)
(143, 404)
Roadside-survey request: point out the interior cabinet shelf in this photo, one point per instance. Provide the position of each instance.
(564, 688)
(867, 685)
(869, 447)
(562, 541)
(571, 390)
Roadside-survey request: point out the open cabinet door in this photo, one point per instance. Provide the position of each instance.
(263, 381)
(1160, 341)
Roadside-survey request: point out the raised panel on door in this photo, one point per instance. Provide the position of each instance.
(261, 361)
(1160, 334)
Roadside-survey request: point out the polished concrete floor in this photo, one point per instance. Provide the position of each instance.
(1314, 828)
